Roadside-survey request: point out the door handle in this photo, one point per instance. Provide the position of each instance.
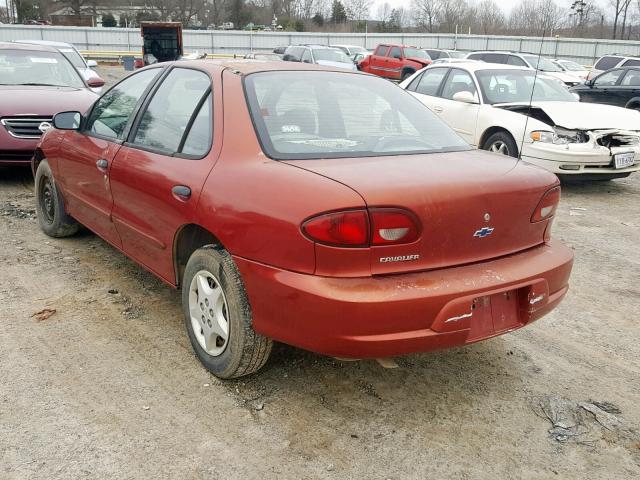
(102, 164)
(437, 109)
(181, 192)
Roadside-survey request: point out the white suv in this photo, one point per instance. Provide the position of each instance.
(607, 62)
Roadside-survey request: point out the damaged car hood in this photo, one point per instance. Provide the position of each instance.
(585, 116)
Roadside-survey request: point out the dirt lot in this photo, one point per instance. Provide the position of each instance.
(108, 386)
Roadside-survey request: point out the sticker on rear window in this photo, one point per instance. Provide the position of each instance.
(291, 129)
(43, 60)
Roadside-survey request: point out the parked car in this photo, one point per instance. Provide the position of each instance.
(331, 212)
(572, 68)
(85, 67)
(607, 62)
(263, 56)
(489, 106)
(529, 60)
(452, 60)
(352, 50)
(395, 62)
(36, 82)
(620, 87)
(318, 54)
(280, 50)
(437, 53)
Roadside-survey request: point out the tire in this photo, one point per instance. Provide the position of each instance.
(501, 142)
(406, 74)
(224, 302)
(52, 217)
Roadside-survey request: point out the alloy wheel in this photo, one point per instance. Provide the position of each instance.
(499, 147)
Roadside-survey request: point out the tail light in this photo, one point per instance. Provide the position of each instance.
(342, 229)
(391, 226)
(362, 228)
(547, 206)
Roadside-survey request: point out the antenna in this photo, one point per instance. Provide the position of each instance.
(533, 89)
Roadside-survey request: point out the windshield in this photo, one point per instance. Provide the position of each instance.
(31, 67)
(331, 55)
(572, 66)
(74, 57)
(454, 54)
(303, 115)
(541, 63)
(514, 86)
(359, 50)
(415, 53)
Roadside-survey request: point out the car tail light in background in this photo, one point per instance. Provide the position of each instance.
(342, 229)
(362, 228)
(547, 206)
(391, 226)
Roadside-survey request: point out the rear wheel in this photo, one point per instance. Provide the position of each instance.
(52, 217)
(502, 143)
(218, 315)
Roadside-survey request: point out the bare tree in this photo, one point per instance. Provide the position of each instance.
(489, 17)
(452, 14)
(536, 17)
(358, 9)
(427, 13)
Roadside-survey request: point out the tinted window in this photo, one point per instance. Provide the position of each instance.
(517, 61)
(631, 63)
(608, 79)
(434, 54)
(495, 58)
(458, 81)
(605, 63)
(111, 113)
(631, 78)
(294, 53)
(198, 141)
(395, 53)
(430, 81)
(301, 115)
(173, 104)
(381, 50)
(476, 56)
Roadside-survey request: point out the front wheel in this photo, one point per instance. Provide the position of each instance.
(502, 143)
(218, 315)
(52, 217)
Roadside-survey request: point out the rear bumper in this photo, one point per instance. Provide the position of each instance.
(414, 312)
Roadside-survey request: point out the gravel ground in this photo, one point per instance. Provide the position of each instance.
(108, 387)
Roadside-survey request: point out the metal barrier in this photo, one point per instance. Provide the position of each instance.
(117, 40)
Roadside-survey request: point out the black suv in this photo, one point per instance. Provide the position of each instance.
(619, 87)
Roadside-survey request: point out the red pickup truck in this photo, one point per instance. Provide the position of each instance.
(396, 62)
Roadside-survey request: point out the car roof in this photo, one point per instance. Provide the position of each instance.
(28, 47)
(241, 66)
(48, 43)
(476, 66)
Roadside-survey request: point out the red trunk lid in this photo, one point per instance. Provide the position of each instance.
(472, 205)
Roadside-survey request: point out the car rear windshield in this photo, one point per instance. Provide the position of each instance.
(605, 63)
(32, 67)
(305, 115)
(514, 86)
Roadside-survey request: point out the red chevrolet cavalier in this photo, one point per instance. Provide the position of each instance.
(329, 210)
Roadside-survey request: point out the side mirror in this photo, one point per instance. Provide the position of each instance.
(589, 83)
(92, 63)
(95, 82)
(67, 120)
(464, 96)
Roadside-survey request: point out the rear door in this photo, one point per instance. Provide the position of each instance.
(378, 60)
(629, 88)
(158, 174)
(87, 155)
(394, 63)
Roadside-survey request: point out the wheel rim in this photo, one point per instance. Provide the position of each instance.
(499, 147)
(46, 199)
(209, 313)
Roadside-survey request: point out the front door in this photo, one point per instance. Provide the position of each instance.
(459, 115)
(157, 176)
(86, 156)
(600, 91)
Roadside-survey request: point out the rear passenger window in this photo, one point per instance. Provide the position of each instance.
(168, 115)
(198, 140)
(631, 63)
(606, 63)
(430, 81)
(381, 50)
(476, 56)
(631, 78)
(517, 61)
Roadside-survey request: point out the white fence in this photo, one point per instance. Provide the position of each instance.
(585, 51)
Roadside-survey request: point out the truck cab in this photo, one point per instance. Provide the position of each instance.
(396, 62)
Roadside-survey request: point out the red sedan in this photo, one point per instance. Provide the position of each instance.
(329, 210)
